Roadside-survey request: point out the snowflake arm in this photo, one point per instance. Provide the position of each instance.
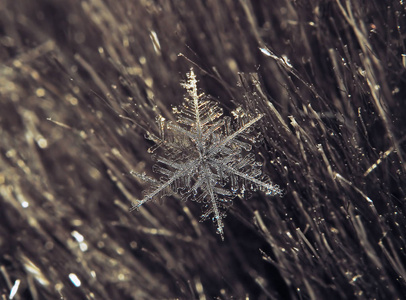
(217, 148)
(268, 188)
(214, 208)
(181, 172)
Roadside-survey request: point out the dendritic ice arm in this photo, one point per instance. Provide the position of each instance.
(213, 198)
(183, 171)
(266, 187)
(218, 147)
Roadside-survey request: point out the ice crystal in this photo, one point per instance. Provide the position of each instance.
(206, 158)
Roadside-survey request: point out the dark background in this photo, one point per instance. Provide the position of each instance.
(81, 83)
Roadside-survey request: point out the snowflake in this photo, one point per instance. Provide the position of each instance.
(206, 158)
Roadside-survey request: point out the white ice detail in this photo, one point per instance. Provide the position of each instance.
(206, 158)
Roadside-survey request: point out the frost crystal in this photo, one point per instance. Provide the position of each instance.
(206, 158)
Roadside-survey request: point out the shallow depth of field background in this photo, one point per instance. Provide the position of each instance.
(81, 84)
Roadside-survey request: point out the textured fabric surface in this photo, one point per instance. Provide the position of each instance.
(82, 84)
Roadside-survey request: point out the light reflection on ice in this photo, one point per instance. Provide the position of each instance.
(36, 272)
(14, 289)
(75, 280)
(78, 236)
(83, 247)
(80, 239)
